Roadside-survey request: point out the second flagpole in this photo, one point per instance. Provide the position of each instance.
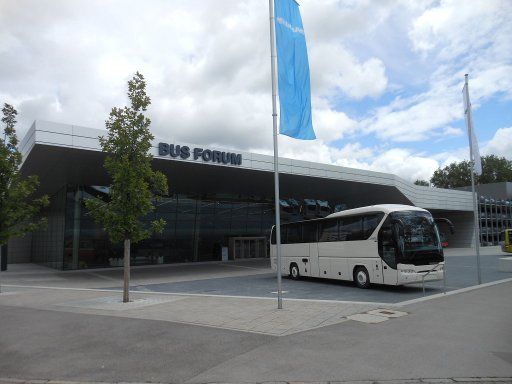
(276, 154)
(469, 122)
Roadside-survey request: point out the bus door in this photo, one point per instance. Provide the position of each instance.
(313, 260)
(309, 236)
(388, 252)
(389, 275)
(378, 276)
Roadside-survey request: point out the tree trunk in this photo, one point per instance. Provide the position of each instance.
(126, 289)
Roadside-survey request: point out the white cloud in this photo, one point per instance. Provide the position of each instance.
(457, 27)
(500, 144)
(208, 71)
(337, 69)
(455, 38)
(452, 131)
(398, 161)
(415, 118)
(206, 63)
(331, 125)
(403, 163)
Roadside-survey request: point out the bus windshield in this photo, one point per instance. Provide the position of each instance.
(417, 237)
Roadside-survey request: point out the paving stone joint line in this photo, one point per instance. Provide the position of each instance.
(458, 380)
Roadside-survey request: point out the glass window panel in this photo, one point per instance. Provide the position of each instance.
(254, 211)
(184, 241)
(254, 228)
(309, 230)
(329, 230)
(370, 222)
(206, 207)
(351, 228)
(167, 204)
(293, 233)
(387, 247)
(223, 209)
(186, 208)
(239, 210)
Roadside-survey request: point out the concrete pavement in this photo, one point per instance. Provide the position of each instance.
(462, 335)
(234, 313)
(73, 332)
(33, 274)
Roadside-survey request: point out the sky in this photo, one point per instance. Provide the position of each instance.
(386, 75)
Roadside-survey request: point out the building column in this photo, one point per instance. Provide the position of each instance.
(76, 226)
(197, 230)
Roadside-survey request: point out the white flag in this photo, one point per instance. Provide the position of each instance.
(471, 132)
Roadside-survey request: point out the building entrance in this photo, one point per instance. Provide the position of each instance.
(247, 247)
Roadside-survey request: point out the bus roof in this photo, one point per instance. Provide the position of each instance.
(386, 208)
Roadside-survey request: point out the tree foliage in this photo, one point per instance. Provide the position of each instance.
(135, 186)
(423, 183)
(494, 169)
(19, 209)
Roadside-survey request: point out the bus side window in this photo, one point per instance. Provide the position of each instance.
(283, 234)
(284, 228)
(293, 234)
(370, 222)
(328, 230)
(309, 232)
(351, 228)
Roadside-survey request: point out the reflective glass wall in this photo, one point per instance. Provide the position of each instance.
(198, 227)
(47, 240)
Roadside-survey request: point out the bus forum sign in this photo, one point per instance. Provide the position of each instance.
(207, 155)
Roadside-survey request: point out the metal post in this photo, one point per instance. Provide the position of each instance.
(276, 156)
(472, 164)
(76, 227)
(444, 278)
(477, 231)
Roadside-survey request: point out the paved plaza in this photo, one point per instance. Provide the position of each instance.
(464, 335)
(461, 272)
(218, 322)
(254, 278)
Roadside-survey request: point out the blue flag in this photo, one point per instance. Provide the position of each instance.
(293, 72)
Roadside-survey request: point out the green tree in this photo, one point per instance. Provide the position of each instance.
(423, 183)
(494, 169)
(135, 186)
(452, 176)
(19, 208)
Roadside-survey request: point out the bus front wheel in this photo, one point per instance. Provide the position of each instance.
(294, 271)
(361, 277)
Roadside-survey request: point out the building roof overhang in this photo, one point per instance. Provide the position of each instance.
(63, 154)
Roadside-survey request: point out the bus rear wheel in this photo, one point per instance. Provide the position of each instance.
(361, 277)
(294, 271)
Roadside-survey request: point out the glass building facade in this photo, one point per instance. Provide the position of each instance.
(198, 227)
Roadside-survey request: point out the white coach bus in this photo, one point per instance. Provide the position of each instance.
(382, 244)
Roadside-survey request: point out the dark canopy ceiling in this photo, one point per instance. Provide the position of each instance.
(58, 166)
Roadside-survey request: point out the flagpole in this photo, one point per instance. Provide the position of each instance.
(472, 166)
(276, 156)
